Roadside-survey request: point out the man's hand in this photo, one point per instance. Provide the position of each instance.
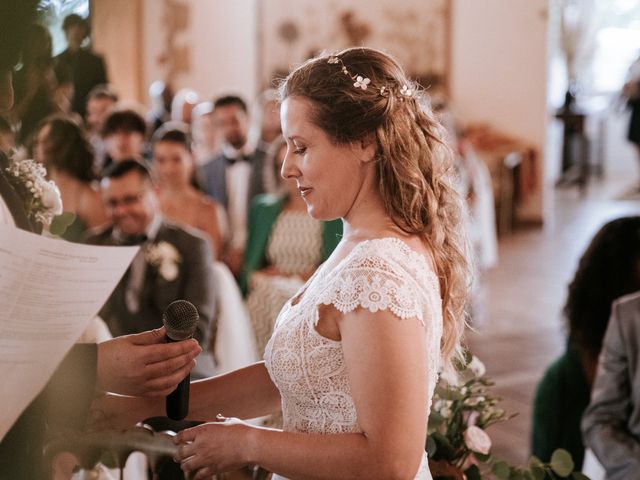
(143, 364)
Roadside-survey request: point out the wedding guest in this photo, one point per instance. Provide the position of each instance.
(61, 146)
(133, 365)
(206, 138)
(355, 355)
(173, 262)
(87, 68)
(35, 83)
(124, 136)
(180, 201)
(284, 247)
(235, 176)
(610, 425)
(607, 270)
(265, 120)
(101, 100)
(631, 92)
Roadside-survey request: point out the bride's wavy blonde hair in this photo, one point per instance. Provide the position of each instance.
(414, 166)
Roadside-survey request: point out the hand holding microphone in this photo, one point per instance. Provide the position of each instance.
(180, 320)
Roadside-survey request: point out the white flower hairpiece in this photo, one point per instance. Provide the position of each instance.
(363, 82)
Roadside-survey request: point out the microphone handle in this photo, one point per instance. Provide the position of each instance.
(177, 403)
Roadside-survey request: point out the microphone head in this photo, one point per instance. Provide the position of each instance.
(180, 319)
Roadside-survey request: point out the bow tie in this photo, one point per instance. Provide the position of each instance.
(130, 240)
(239, 158)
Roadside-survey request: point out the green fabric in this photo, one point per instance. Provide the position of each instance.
(263, 213)
(562, 396)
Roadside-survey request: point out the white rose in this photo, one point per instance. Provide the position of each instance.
(477, 367)
(51, 198)
(477, 440)
(169, 271)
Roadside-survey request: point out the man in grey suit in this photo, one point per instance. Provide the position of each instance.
(235, 176)
(611, 423)
(173, 262)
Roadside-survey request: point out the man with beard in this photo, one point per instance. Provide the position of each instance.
(236, 175)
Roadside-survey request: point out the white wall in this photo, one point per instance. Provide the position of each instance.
(222, 40)
(499, 71)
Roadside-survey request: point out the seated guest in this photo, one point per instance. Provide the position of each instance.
(205, 137)
(100, 101)
(180, 201)
(607, 270)
(124, 136)
(284, 247)
(611, 424)
(173, 262)
(184, 204)
(60, 145)
(235, 176)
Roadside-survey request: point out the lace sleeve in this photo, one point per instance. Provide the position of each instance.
(381, 282)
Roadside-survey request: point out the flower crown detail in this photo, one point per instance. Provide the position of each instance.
(363, 82)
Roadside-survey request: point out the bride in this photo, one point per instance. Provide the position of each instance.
(355, 354)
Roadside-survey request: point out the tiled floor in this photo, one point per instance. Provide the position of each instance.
(523, 332)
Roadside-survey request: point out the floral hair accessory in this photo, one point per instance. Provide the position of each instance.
(406, 91)
(42, 200)
(363, 82)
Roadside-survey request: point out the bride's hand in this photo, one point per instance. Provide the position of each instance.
(213, 447)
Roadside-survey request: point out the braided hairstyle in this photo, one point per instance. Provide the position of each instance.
(363, 93)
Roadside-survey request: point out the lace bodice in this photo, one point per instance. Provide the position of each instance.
(309, 369)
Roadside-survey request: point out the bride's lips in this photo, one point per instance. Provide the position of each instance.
(304, 191)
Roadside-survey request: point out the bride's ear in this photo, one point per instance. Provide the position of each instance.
(367, 147)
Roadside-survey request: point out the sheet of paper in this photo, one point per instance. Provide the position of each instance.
(49, 291)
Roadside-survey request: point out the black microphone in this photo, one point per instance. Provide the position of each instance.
(180, 320)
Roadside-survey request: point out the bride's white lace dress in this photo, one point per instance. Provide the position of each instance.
(309, 369)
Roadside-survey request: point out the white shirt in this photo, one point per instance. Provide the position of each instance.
(237, 178)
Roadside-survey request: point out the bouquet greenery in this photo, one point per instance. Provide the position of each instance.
(457, 443)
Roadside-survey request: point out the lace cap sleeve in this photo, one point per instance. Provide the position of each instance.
(383, 277)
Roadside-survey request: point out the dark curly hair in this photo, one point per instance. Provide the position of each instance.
(608, 269)
(69, 151)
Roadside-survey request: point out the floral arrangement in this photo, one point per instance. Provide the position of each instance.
(41, 197)
(165, 258)
(457, 443)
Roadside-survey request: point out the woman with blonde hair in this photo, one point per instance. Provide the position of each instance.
(355, 354)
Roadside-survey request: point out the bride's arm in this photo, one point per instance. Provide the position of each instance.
(244, 393)
(386, 362)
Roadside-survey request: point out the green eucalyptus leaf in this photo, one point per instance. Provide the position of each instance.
(61, 222)
(501, 470)
(535, 462)
(482, 457)
(538, 472)
(561, 463)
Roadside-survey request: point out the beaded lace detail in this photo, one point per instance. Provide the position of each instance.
(309, 369)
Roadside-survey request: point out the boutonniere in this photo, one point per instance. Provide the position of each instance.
(165, 258)
(42, 200)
